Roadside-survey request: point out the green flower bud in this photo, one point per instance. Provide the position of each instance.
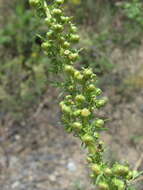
(45, 45)
(87, 73)
(69, 69)
(74, 38)
(56, 11)
(65, 18)
(78, 76)
(59, 2)
(77, 113)
(108, 172)
(58, 27)
(100, 103)
(85, 112)
(49, 34)
(125, 171)
(120, 170)
(103, 186)
(129, 176)
(71, 87)
(92, 149)
(61, 103)
(96, 135)
(70, 102)
(34, 3)
(73, 29)
(68, 97)
(48, 21)
(61, 39)
(73, 56)
(99, 123)
(87, 139)
(98, 92)
(77, 126)
(96, 169)
(66, 45)
(91, 88)
(80, 98)
(66, 109)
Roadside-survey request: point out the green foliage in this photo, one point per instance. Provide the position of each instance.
(97, 56)
(17, 32)
(109, 27)
(81, 97)
(24, 70)
(134, 10)
(99, 33)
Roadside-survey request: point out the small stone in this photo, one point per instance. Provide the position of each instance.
(15, 184)
(17, 137)
(71, 166)
(52, 178)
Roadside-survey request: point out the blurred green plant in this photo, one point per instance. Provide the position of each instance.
(110, 24)
(78, 185)
(134, 10)
(23, 70)
(16, 35)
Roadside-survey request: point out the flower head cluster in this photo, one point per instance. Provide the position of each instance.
(62, 33)
(82, 98)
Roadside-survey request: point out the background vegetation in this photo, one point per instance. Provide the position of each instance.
(111, 34)
(24, 71)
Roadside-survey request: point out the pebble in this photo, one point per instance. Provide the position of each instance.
(71, 166)
(52, 178)
(15, 184)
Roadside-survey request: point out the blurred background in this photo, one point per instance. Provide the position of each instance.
(35, 151)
